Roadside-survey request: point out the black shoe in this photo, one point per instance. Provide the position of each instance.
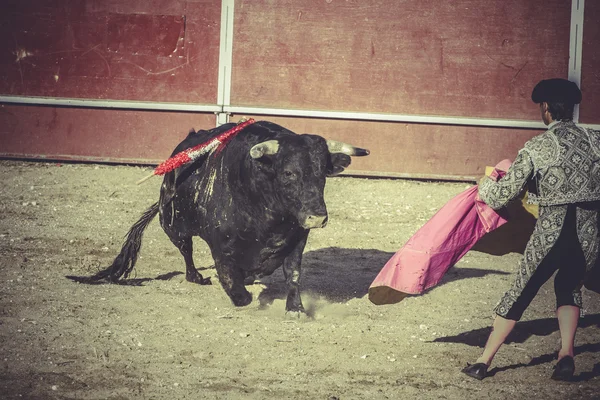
(564, 369)
(477, 371)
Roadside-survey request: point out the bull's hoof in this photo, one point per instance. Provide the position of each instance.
(294, 305)
(295, 311)
(295, 314)
(241, 299)
(199, 279)
(206, 281)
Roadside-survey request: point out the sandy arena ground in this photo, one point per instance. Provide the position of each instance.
(170, 339)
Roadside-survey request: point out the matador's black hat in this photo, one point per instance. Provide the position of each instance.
(556, 91)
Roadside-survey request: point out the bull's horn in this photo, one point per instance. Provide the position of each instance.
(267, 148)
(345, 148)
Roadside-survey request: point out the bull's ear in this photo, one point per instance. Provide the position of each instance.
(337, 163)
(267, 148)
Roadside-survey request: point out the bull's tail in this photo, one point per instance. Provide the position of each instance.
(125, 261)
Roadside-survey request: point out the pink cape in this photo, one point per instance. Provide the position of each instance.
(436, 246)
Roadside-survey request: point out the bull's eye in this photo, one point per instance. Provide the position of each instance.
(288, 174)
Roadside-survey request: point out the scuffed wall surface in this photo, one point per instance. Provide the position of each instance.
(454, 58)
(134, 50)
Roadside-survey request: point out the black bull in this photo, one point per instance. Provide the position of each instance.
(253, 202)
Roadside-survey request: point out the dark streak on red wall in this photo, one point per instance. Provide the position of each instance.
(589, 111)
(135, 50)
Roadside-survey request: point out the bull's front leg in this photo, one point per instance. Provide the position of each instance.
(232, 277)
(292, 273)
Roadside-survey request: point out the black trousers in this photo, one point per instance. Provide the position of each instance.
(567, 257)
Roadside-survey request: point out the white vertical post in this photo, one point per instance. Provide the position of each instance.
(575, 46)
(225, 59)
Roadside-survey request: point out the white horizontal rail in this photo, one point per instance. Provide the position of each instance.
(422, 119)
(117, 104)
(360, 116)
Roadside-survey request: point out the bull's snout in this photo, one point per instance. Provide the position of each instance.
(315, 221)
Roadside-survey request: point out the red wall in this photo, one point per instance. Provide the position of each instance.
(416, 150)
(589, 111)
(464, 58)
(121, 50)
(429, 57)
(95, 134)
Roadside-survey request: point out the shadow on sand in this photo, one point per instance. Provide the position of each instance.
(523, 331)
(341, 274)
(124, 282)
(337, 274)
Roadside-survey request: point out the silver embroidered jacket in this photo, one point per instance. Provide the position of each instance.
(565, 162)
(564, 165)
